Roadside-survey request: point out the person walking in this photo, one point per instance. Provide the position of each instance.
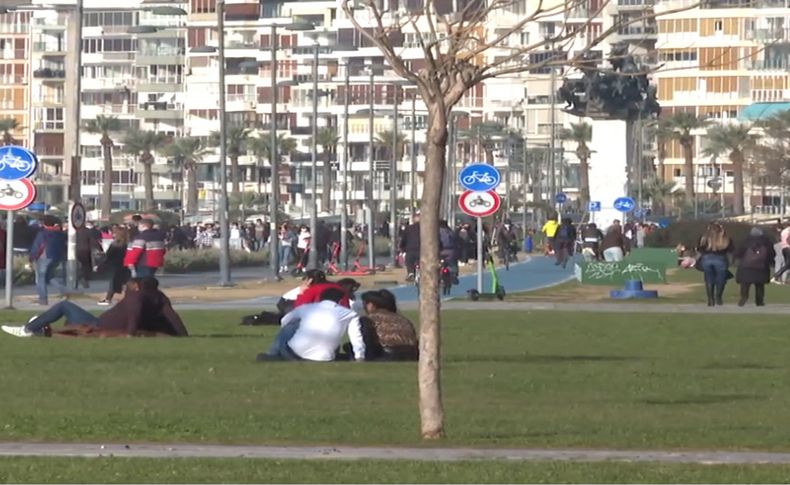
(613, 245)
(550, 230)
(784, 243)
(410, 244)
(714, 248)
(47, 253)
(564, 241)
(754, 267)
(87, 243)
(286, 249)
(113, 264)
(146, 254)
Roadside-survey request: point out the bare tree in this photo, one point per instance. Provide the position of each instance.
(459, 52)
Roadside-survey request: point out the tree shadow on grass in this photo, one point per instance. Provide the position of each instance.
(738, 366)
(703, 399)
(542, 359)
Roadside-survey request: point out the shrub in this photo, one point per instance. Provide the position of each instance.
(688, 233)
(208, 260)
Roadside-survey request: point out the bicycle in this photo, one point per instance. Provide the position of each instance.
(8, 160)
(483, 178)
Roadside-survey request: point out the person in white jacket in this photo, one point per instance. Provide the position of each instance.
(315, 331)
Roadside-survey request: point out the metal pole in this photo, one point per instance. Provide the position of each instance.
(74, 186)
(524, 175)
(451, 174)
(639, 163)
(480, 237)
(393, 181)
(9, 260)
(224, 230)
(344, 178)
(552, 131)
(312, 260)
(274, 161)
(371, 174)
(413, 177)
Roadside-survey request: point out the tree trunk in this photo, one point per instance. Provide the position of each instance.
(688, 169)
(106, 194)
(429, 369)
(234, 174)
(584, 181)
(736, 158)
(326, 194)
(192, 190)
(148, 183)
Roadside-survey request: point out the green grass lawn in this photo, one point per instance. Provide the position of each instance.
(510, 379)
(139, 470)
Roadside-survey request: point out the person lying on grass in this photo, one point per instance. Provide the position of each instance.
(143, 310)
(388, 335)
(315, 331)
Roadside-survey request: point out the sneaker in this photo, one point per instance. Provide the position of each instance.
(104, 302)
(410, 277)
(17, 331)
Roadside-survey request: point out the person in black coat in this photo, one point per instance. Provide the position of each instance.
(113, 264)
(756, 257)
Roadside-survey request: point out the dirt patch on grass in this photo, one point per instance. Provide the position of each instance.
(578, 293)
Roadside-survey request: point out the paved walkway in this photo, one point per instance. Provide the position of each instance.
(372, 453)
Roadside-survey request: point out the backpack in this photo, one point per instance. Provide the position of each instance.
(446, 239)
(755, 257)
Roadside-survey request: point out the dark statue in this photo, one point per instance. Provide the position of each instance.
(622, 92)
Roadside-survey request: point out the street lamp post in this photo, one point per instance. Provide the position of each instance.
(274, 161)
(344, 174)
(413, 177)
(313, 255)
(371, 173)
(393, 176)
(224, 233)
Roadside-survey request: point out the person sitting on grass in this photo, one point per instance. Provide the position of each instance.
(286, 302)
(142, 310)
(388, 335)
(313, 293)
(314, 331)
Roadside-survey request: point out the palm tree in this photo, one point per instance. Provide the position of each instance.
(236, 139)
(106, 126)
(143, 145)
(259, 146)
(327, 139)
(663, 133)
(581, 134)
(188, 152)
(485, 135)
(734, 140)
(681, 125)
(7, 126)
(385, 139)
(660, 192)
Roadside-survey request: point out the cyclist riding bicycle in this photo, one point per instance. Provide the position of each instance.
(507, 241)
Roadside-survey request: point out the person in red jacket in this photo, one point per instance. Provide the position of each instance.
(146, 253)
(312, 294)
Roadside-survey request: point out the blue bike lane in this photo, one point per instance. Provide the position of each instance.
(531, 274)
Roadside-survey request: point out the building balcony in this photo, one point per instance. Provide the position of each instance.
(635, 4)
(637, 32)
(165, 58)
(48, 100)
(240, 102)
(163, 85)
(10, 79)
(49, 74)
(107, 109)
(49, 23)
(49, 152)
(111, 84)
(772, 35)
(49, 126)
(769, 65)
(50, 48)
(13, 54)
(160, 111)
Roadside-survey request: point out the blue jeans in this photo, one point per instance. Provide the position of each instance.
(64, 309)
(280, 346)
(45, 274)
(715, 268)
(285, 255)
(145, 271)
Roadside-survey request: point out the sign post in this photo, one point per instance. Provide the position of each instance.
(479, 200)
(16, 193)
(592, 207)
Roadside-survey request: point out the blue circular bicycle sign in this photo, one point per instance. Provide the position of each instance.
(624, 204)
(479, 177)
(17, 163)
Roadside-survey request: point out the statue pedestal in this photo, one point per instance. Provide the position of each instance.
(611, 147)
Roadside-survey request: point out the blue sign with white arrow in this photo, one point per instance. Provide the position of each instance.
(17, 163)
(594, 206)
(624, 204)
(479, 177)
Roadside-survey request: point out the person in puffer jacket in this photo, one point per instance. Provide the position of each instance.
(146, 253)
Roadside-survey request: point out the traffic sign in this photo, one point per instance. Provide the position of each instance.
(479, 204)
(479, 177)
(714, 183)
(16, 194)
(624, 204)
(561, 198)
(17, 163)
(594, 206)
(77, 217)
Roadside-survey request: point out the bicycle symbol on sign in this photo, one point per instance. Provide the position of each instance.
(483, 178)
(8, 160)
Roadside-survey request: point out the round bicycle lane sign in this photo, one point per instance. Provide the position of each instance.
(479, 177)
(17, 163)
